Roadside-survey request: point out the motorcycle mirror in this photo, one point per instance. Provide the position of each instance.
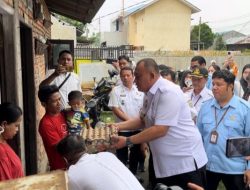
(91, 104)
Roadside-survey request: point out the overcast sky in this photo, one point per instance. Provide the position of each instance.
(221, 15)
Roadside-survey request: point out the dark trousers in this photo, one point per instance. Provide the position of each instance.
(151, 171)
(231, 182)
(135, 154)
(198, 177)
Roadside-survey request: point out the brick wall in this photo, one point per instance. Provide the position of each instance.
(39, 32)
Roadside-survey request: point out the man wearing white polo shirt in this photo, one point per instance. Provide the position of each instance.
(178, 153)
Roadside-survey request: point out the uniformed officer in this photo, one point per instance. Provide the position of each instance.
(199, 61)
(178, 153)
(200, 92)
(126, 102)
(220, 118)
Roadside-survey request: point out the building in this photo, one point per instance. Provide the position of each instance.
(240, 44)
(236, 41)
(62, 30)
(157, 25)
(24, 31)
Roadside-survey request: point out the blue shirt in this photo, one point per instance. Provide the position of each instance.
(236, 123)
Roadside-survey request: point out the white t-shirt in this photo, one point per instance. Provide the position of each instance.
(130, 101)
(102, 171)
(175, 152)
(72, 83)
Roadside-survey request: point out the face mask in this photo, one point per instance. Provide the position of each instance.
(210, 74)
(188, 82)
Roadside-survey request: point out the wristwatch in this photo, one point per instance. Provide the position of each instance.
(128, 142)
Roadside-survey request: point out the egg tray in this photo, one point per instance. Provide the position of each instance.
(98, 136)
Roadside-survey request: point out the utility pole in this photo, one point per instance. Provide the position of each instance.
(99, 25)
(199, 35)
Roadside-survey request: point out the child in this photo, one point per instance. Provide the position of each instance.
(77, 118)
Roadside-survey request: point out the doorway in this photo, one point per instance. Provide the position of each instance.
(29, 100)
(1, 56)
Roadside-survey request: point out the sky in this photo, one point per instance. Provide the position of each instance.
(220, 15)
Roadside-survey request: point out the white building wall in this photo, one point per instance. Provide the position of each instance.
(62, 32)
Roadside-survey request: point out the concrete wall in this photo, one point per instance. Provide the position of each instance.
(163, 25)
(114, 38)
(183, 63)
(62, 32)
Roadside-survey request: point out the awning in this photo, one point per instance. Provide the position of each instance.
(81, 10)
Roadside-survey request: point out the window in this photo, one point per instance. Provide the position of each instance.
(54, 48)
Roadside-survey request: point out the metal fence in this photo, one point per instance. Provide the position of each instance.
(100, 53)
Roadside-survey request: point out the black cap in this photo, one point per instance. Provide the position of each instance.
(199, 72)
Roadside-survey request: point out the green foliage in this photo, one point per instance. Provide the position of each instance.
(72, 22)
(95, 39)
(219, 42)
(206, 35)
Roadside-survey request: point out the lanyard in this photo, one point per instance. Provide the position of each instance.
(215, 114)
(197, 100)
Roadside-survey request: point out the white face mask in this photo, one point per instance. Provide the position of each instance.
(188, 82)
(210, 74)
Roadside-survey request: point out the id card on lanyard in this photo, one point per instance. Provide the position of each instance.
(214, 134)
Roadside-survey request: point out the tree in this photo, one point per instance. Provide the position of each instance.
(219, 42)
(206, 35)
(82, 31)
(77, 24)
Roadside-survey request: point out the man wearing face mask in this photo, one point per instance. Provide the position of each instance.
(200, 92)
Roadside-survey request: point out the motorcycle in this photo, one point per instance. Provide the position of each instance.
(100, 100)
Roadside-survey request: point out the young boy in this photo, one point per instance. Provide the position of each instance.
(77, 118)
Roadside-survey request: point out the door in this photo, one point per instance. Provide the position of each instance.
(29, 103)
(1, 56)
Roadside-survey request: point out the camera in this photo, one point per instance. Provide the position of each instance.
(110, 61)
(160, 186)
(112, 73)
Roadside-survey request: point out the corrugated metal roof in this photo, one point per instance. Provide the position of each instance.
(81, 10)
(142, 6)
(238, 40)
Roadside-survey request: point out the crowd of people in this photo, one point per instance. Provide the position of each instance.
(183, 121)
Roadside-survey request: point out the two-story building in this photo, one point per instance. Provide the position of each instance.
(157, 25)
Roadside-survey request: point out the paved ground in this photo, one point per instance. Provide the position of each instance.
(144, 175)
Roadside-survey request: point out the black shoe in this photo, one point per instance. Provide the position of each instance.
(139, 179)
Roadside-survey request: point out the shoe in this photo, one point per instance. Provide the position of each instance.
(139, 179)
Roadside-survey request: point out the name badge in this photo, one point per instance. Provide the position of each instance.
(214, 137)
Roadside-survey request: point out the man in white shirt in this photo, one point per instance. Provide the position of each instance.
(102, 171)
(200, 93)
(63, 77)
(178, 153)
(126, 102)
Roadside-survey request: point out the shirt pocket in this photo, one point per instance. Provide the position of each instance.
(234, 127)
(208, 125)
